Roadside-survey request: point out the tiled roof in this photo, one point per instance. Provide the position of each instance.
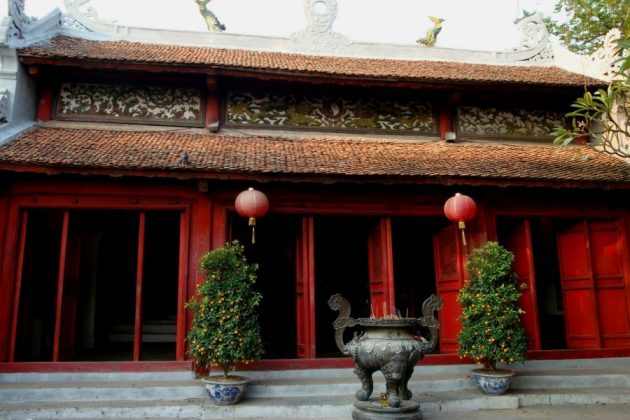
(160, 152)
(435, 71)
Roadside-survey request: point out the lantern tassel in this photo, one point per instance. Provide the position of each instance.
(462, 226)
(252, 223)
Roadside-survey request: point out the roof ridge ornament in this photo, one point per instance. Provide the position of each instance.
(535, 40)
(318, 36)
(86, 20)
(73, 7)
(20, 21)
(608, 53)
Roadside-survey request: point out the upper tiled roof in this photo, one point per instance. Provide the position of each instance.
(436, 71)
(159, 153)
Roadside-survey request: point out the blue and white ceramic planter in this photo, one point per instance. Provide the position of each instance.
(493, 383)
(225, 391)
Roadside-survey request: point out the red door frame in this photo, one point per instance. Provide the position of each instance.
(112, 198)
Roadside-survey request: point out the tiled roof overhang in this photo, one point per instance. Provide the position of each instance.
(158, 153)
(70, 51)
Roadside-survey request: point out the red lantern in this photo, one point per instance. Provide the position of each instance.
(461, 209)
(252, 204)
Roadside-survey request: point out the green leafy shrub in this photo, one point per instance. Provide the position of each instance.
(225, 329)
(491, 326)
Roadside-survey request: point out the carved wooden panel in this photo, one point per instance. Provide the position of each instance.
(130, 104)
(329, 112)
(475, 121)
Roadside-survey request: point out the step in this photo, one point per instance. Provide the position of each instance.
(341, 382)
(279, 407)
(99, 391)
(306, 407)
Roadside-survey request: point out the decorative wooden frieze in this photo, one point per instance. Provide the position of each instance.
(329, 112)
(133, 104)
(4, 106)
(515, 123)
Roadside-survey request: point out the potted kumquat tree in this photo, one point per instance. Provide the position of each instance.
(491, 331)
(225, 329)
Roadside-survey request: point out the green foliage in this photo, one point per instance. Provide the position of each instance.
(225, 328)
(491, 327)
(587, 22)
(603, 116)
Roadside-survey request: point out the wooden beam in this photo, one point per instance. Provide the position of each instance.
(137, 332)
(60, 279)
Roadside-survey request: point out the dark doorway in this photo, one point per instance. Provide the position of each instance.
(544, 254)
(414, 267)
(36, 315)
(98, 303)
(274, 252)
(159, 285)
(341, 266)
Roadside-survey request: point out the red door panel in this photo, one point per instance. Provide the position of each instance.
(449, 278)
(610, 291)
(578, 288)
(520, 243)
(305, 290)
(381, 268)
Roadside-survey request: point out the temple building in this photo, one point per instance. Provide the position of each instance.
(123, 149)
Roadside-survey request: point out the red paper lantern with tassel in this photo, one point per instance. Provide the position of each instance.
(252, 203)
(461, 209)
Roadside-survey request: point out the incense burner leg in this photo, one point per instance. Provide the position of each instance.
(367, 385)
(405, 393)
(395, 372)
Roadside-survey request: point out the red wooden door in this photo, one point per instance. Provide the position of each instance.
(578, 287)
(605, 243)
(519, 242)
(449, 278)
(305, 289)
(381, 268)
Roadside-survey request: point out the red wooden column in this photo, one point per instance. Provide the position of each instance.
(445, 119)
(8, 276)
(44, 105)
(213, 114)
(449, 278)
(137, 332)
(60, 280)
(184, 226)
(381, 268)
(305, 289)
(18, 284)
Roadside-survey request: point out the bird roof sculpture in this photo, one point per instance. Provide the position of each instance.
(432, 33)
(212, 22)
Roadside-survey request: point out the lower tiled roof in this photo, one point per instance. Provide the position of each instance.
(159, 153)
